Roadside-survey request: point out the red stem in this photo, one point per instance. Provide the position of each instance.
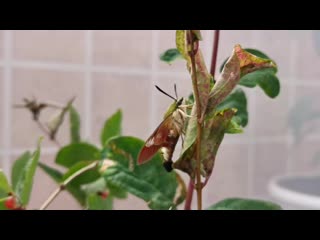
(214, 52)
(187, 205)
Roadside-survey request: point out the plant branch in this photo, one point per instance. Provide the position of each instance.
(45, 130)
(63, 185)
(214, 52)
(191, 52)
(187, 205)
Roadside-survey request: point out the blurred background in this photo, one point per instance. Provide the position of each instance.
(107, 70)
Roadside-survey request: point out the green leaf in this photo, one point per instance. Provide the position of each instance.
(77, 152)
(23, 173)
(237, 99)
(233, 127)
(117, 192)
(94, 187)
(95, 202)
(2, 203)
(84, 178)
(244, 204)
(5, 187)
(123, 178)
(112, 127)
(56, 175)
(149, 181)
(171, 55)
(17, 168)
(74, 125)
(100, 186)
(2, 206)
(265, 78)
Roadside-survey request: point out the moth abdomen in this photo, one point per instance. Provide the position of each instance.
(168, 165)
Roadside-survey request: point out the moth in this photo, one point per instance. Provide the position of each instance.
(166, 135)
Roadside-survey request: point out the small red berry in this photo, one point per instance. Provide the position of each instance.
(103, 195)
(10, 203)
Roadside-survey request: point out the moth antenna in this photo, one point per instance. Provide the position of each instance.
(165, 93)
(175, 90)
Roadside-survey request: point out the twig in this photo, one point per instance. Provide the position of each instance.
(187, 205)
(45, 130)
(214, 52)
(199, 122)
(65, 183)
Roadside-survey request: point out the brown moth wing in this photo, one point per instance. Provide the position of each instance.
(158, 139)
(147, 153)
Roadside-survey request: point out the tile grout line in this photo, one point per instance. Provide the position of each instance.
(7, 101)
(251, 146)
(291, 101)
(154, 67)
(69, 67)
(88, 85)
(258, 141)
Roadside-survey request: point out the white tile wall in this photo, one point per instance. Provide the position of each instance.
(117, 69)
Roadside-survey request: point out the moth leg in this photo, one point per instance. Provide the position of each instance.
(187, 106)
(184, 114)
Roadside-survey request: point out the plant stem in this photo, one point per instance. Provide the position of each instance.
(63, 185)
(187, 205)
(199, 122)
(214, 52)
(199, 126)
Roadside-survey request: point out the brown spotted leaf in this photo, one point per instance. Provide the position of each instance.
(197, 33)
(203, 81)
(212, 135)
(186, 162)
(250, 63)
(191, 133)
(181, 43)
(228, 79)
(239, 64)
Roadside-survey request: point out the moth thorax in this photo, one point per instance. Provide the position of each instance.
(179, 119)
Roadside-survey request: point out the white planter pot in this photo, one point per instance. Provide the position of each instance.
(297, 191)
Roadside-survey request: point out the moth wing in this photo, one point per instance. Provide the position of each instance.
(157, 140)
(147, 153)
